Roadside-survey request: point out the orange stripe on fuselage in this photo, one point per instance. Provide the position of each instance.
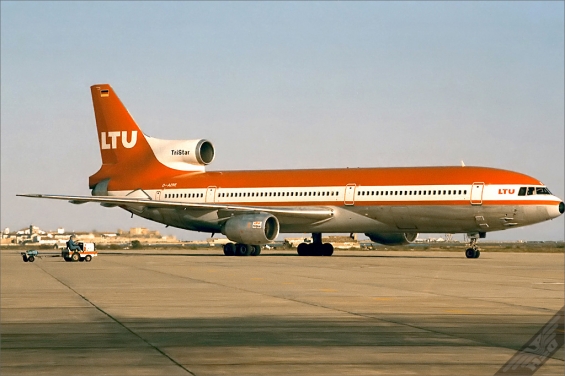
(158, 176)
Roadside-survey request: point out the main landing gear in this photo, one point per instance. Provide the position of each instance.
(316, 248)
(238, 249)
(473, 251)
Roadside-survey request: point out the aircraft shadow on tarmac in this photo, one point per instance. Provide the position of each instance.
(495, 331)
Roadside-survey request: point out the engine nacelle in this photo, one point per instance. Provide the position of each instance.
(182, 154)
(394, 239)
(255, 229)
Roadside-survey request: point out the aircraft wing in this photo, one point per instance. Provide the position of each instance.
(316, 213)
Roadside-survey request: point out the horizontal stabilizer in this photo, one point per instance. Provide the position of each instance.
(301, 212)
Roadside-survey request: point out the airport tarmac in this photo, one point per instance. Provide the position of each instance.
(201, 313)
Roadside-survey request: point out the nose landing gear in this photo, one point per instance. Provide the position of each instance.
(473, 251)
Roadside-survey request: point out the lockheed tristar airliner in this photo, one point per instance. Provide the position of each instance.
(165, 181)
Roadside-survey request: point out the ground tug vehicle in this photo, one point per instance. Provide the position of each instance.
(86, 253)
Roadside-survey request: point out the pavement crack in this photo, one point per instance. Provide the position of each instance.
(114, 319)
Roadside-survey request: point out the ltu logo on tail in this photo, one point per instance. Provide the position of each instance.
(113, 136)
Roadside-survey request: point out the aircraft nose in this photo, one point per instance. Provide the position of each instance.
(555, 210)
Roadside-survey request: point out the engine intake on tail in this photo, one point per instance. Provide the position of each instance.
(394, 239)
(186, 155)
(256, 229)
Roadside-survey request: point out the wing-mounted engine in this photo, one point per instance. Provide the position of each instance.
(185, 155)
(394, 239)
(257, 229)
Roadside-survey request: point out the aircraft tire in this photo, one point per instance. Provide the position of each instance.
(470, 253)
(477, 254)
(327, 249)
(229, 249)
(302, 249)
(256, 250)
(243, 249)
(75, 257)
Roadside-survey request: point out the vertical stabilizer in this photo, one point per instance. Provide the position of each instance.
(123, 147)
(119, 138)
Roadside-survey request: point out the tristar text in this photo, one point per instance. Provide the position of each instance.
(180, 152)
(113, 136)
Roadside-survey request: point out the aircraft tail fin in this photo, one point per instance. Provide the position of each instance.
(119, 138)
(123, 146)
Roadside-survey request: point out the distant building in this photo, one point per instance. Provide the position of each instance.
(143, 232)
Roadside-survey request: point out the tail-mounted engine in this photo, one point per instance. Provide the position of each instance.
(186, 155)
(394, 239)
(256, 229)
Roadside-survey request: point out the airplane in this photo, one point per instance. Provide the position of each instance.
(166, 181)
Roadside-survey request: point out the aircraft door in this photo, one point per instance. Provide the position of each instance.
(477, 193)
(211, 194)
(158, 195)
(350, 194)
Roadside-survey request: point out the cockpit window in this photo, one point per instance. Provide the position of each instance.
(542, 191)
(522, 191)
(533, 191)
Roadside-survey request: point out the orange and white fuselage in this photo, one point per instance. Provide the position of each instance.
(166, 181)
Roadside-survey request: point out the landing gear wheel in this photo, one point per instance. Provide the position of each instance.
(256, 250)
(75, 257)
(88, 258)
(316, 249)
(244, 249)
(327, 249)
(302, 249)
(472, 253)
(229, 249)
(31, 258)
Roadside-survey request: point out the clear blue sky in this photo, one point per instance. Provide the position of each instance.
(280, 85)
